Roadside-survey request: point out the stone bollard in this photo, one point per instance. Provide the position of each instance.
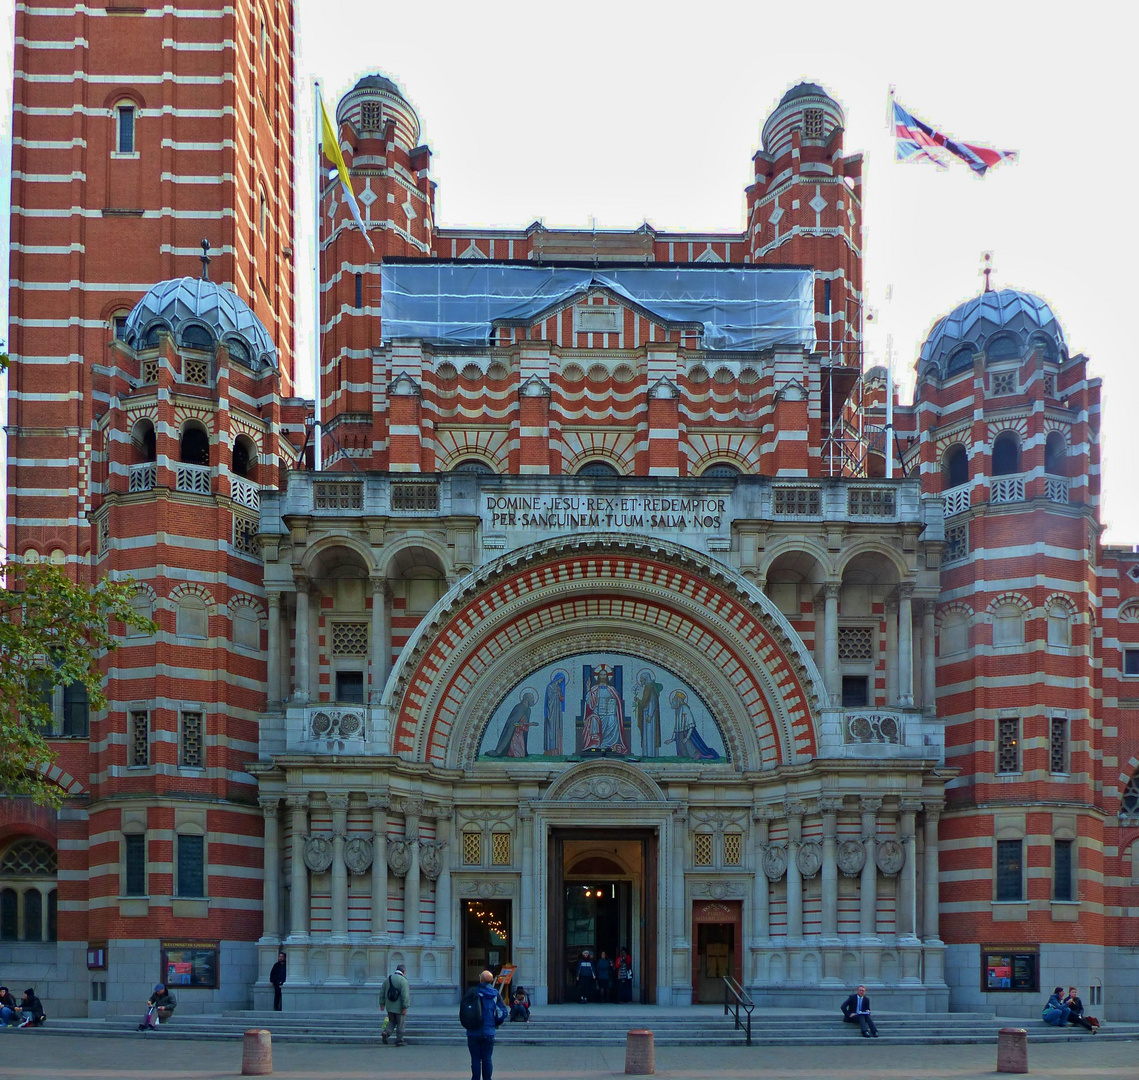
(1012, 1050)
(257, 1053)
(639, 1053)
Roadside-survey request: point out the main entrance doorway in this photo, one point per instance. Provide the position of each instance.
(486, 938)
(603, 897)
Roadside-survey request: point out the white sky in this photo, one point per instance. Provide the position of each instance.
(626, 112)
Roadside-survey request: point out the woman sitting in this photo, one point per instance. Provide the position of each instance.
(520, 1006)
(1056, 1012)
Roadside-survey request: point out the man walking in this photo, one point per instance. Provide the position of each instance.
(277, 978)
(396, 996)
(481, 1041)
(856, 1010)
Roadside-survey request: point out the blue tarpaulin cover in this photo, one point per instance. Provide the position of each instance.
(740, 308)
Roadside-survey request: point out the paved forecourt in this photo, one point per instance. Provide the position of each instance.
(40, 1055)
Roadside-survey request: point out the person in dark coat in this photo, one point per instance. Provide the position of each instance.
(586, 976)
(856, 1010)
(604, 975)
(8, 1007)
(480, 1043)
(277, 978)
(1076, 1011)
(624, 974)
(520, 1006)
(31, 1011)
(160, 1007)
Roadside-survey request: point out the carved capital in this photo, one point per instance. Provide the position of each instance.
(274, 598)
(933, 811)
(270, 804)
(379, 802)
(868, 804)
(906, 590)
(794, 809)
(832, 589)
(379, 587)
(830, 804)
(909, 806)
(297, 801)
(338, 803)
(411, 807)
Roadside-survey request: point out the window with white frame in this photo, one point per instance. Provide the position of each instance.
(1063, 869)
(125, 116)
(1010, 870)
(134, 864)
(1131, 662)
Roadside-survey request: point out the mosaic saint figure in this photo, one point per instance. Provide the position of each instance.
(646, 704)
(604, 722)
(689, 744)
(512, 740)
(554, 710)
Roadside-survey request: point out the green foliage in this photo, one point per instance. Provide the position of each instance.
(53, 632)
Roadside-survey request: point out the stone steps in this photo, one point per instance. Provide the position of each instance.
(590, 1026)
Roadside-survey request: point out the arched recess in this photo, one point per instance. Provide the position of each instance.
(654, 599)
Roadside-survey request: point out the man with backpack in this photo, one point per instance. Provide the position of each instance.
(481, 1012)
(396, 997)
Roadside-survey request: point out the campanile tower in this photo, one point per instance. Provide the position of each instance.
(139, 128)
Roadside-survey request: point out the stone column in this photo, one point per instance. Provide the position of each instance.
(271, 888)
(761, 896)
(905, 646)
(829, 807)
(528, 891)
(928, 660)
(443, 838)
(339, 805)
(273, 660)
(679, 842)
(931, 907)
(379, 808)
(795, 813)
(832, 674)
(381, 639)
(891, 653)
(301, 651)
(298, 891)
(868, 887)
(412, 810)
(907, 879)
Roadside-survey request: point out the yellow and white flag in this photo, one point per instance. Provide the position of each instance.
(331, 148)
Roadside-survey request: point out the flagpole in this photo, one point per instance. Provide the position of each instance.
(316, 429)
(889, 406)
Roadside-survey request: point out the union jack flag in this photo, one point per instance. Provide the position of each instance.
(915, 140)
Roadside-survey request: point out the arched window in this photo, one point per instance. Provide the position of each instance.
(244, 456)
(954, 467)
(141, 605)
(1059, 626)
(474, 465)
(955, 634)
(197, 337)
(143, 443)
(1003, 347)
(721, 472)
(1130, 805)
(597, 469)
(1006, 454)
(961, 360)
(246, 628)
(124, 128)
(76, 711)
(1056, 455)
(192, 620)
(152, 332)
(239, 351)
(9, 915)
(195, 447)
(263, 215)
(1008, 625)
(27, 880)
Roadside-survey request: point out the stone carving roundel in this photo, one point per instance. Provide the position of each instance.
(318, 854)
(809, 860)
(851, 857)
(358, 854)
(890, 857)
(399, 857)
(775, 862)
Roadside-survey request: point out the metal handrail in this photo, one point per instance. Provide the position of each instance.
(732, 989)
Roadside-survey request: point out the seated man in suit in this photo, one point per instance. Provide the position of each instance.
(856, 1010)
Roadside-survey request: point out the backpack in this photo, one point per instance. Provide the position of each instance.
(470, 1010)
(394, 992)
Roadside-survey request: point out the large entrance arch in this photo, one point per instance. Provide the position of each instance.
(653, 600)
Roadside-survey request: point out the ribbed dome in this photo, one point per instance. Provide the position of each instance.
(201, 310)
(377, 82)
(804, 89)
(1006, 314)
(793, 111)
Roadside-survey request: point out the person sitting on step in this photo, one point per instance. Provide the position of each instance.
(856, 1010)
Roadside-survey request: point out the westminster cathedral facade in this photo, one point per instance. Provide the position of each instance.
(592, 609)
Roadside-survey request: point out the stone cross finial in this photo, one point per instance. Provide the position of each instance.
(205, 257)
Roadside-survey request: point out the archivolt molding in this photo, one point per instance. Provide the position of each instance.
(501, 597)
(952, 609)
(606, 780)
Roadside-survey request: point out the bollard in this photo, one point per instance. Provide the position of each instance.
(257, 1053)
(639, 1053)
(1012, 1050)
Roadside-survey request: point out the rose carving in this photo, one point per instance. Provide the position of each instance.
(318, 853)
(775, 862)
(851, 857)
(890, 857)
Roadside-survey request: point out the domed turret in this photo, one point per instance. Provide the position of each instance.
(1001, 323)
(807, 107)
(372, 102)
(200, 313)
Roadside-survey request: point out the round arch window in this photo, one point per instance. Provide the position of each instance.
(28, 898)
(597, 469)
(1006, 454)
